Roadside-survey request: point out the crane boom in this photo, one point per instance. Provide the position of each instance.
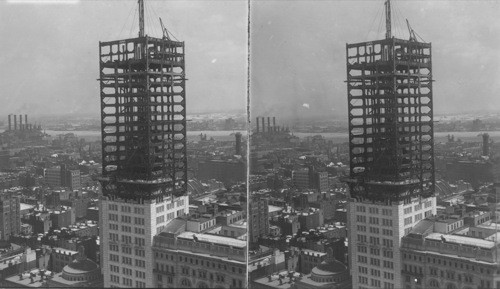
(413, 37)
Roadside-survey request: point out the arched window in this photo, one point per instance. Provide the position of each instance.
(433, 283)
(186, 283)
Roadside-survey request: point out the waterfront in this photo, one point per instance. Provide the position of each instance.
(469, 136)
(92, 135)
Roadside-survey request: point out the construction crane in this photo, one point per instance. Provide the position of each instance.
(165, 31)
(141, 18)
(413, 37)
(388, 32)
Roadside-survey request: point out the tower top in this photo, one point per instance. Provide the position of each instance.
(141, 18)
(388, 32)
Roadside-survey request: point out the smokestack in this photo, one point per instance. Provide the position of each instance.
(26, 120)
(263, 124)
(486, 145)
(10, 123)
(238, 143)
(269, 124)
(15, 122)
(20, 122)
(274, 123)
(257, 118)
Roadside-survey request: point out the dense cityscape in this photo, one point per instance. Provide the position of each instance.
(142, 193)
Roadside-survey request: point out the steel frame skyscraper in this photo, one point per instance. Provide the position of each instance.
(144, 175)
(389, 91)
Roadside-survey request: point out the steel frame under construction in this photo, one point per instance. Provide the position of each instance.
(389, 90)
(143, 117)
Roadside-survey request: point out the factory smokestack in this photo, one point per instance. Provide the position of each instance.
(257, 118)
(274, 123)
(20, 122)
(15, 122)
(10, 123)
(26, 120)
(486, 144)
(269, 124)
(238, 143)
(263, 124)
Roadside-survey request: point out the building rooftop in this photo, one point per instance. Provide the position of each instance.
(26, 281)
(273, 209)
(462, 240)
(25, 207)
(216, 239)
(274, 281)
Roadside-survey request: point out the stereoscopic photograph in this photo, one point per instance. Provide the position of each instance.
(249, 144)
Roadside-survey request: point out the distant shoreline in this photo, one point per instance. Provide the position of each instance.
(335, 136)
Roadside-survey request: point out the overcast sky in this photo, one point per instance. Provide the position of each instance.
(49, 53)
(298, 52)
(49, 62)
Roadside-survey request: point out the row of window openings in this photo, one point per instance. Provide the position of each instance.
(126, 209)
(376, 262)
(446, 263)
(127, 229)
(127, 219)
(376, 251)
(376, 273)
(127, 281)
(127, 260)
(127, 250)
(127, 239)
(194, 262)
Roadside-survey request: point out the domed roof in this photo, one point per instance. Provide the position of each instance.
(80, 266)
(329, 267)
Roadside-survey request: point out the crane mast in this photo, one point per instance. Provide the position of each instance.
(388, 32)
(141, 18)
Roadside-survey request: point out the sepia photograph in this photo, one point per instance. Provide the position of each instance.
(250, 144)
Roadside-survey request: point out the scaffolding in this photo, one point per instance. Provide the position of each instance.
(143, 117)
(389, 91)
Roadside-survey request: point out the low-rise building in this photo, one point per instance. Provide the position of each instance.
(189, 260)
(446, 257)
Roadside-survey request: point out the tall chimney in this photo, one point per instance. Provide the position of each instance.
(15, 122)
(10, 123)
(486, 145)
(263, 124)
(238, 143)
(274, 123)
(269, 124)
(26, 120)
(257, 118)
(20, 122)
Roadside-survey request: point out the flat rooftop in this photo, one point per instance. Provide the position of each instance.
(273, 209)
(462, 240)
(215, 239)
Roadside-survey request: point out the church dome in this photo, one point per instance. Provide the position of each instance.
(81, 266)
(81, 269)
(329, 267)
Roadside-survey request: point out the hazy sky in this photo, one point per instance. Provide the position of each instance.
(298, 52)
(49, 61)
(49, 53)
